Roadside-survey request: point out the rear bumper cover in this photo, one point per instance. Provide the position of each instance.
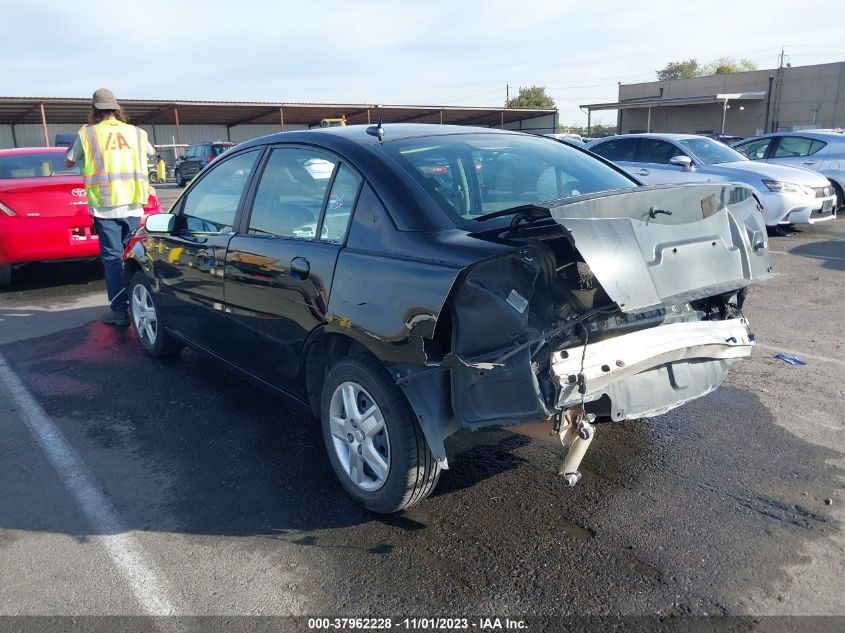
(654, 370)
(46, 239)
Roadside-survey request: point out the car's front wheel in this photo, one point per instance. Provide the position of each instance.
(147, 320)
(840, 198)
(373, 439)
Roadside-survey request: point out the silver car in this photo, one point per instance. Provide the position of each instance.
(820, 150)
(789, 195)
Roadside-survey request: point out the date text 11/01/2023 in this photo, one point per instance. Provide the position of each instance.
(434, 624)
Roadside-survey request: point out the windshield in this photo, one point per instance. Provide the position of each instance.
(711, 152)
(471, 175)
(35, 166)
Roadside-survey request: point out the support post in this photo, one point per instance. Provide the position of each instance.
(441, 117)
(502, 123)
(768, 105)
(282, 118)
(368, 116)
(14, 136)
(724, 114)
(589, 116)
(176, 116)
(44, 125)
(648, 121)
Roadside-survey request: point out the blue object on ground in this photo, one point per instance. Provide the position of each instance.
(792, 360)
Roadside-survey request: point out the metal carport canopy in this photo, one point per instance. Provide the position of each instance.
(18, 110)
(657, 102)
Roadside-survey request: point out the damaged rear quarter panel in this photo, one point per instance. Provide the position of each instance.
(389, 290)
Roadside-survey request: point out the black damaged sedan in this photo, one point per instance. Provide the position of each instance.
(406, 282)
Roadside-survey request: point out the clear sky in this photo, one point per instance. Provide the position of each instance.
(427, 52)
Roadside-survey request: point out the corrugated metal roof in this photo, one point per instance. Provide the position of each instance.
(659, 102)
(74, 110)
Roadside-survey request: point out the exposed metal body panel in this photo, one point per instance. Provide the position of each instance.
(680, 362)
(661, 246)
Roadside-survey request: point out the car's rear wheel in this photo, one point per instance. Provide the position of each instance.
(179, 179)
(147, 320)
(373, 439)
(5, 274)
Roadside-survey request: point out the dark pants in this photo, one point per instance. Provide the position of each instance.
(114, 235)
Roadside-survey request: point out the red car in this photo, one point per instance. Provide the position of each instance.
(43, 209)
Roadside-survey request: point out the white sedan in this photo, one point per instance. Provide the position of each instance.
(789, 195)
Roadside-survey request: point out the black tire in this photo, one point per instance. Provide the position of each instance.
(413, 472)
(163, 343)
(179, 180)
(840, 199)
(153, 178)
(5, 274)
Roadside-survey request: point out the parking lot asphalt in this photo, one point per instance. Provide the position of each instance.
(185, 489)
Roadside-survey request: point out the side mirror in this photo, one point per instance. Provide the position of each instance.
(160, 223)
(682, 161)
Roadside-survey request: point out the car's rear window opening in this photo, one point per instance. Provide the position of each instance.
(35, 166)
(470, 175)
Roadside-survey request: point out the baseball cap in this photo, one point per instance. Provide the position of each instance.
(104, 100)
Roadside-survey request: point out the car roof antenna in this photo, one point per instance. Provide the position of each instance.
(377, 129)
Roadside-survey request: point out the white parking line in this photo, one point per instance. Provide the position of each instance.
(838, 259)
(124, 549)
(801, 355)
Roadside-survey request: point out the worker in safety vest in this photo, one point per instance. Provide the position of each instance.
(161, 169)
(114, 169)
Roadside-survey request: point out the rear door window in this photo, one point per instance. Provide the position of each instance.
(342, 198)
(623, 149)
(657, 151)
(797, 146)
(291, 194)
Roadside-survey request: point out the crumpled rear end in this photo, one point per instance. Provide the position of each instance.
(631, 309)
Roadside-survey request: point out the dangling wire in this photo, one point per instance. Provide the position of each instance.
(582, 379)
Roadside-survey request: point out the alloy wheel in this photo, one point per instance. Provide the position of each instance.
(144, 314)
(359, 436)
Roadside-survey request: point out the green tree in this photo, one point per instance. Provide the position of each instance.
(691, 68)
(728, 65)
(679, 70)
(596, 130)
(534, 98)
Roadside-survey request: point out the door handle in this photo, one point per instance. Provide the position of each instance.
(643, 172)
(809, 162)
(300, 268)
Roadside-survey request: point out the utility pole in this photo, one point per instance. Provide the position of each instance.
(778, 88)
(507, 94)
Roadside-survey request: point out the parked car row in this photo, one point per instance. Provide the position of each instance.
(44, 211)
(788, 195)
(196, 157)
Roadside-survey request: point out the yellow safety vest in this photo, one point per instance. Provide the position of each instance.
(115, 167)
